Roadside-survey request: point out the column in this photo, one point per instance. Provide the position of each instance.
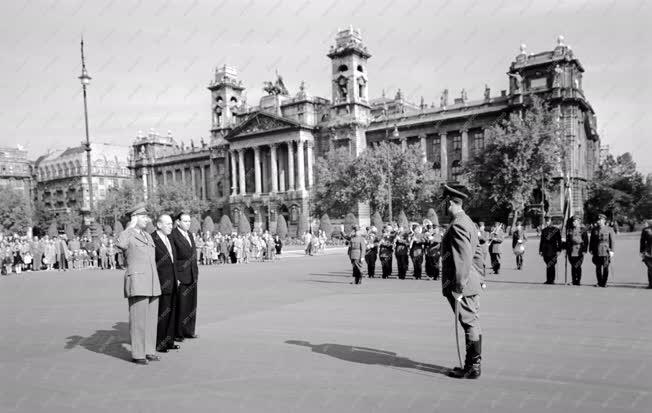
(311, 160)
(203, 182)
(183, 175)
(424, 158)
(153, 180)
(272, 155)
(465, 146)
(290, 166)
(241, 172)
(165, 177)
(257, 169)
(234, 174)
(301, 185)
(444, 156)
(192, 181)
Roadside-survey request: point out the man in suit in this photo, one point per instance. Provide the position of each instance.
(141, 285)
(518, 244)
(187, 271)
(646, 250)
(357, 251)
(549, 248)
(601, 246)
(165, 331)
(495, 242)
(461, 277)
(577, 243)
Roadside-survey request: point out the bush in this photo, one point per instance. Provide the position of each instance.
(107, 230)
(403, 221)
(243, 224)
(349, 222)
(432, 216)
(195, 226)
(325, 225)
(302, 225)
(281, 227)
(377, 221)
(53, 231)
(225, 226)
(208, 225)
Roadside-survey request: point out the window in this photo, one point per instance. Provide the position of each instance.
(478, 143)
(343, 68)
(456, 168)
(360, 69)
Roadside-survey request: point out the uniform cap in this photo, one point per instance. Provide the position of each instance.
(138, 209)
(454, 194)
(602, 216)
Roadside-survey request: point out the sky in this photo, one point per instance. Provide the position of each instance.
(151, 61)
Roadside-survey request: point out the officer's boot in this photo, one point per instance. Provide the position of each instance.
(458, 372)
(473, 371)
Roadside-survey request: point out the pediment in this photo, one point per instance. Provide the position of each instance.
(261, 122)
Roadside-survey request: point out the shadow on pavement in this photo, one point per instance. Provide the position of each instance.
(614, 285)
(329, 282)
(366, 355)
(334, 274)
(109, 342)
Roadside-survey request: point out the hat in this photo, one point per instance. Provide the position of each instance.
(454, 194)
(138, 209)
(602, 216)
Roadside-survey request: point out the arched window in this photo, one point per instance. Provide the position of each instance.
(343, 68)
(360, 69)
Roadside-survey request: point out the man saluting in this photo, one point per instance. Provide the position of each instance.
(461, 268)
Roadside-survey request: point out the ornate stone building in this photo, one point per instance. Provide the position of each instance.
(16, 170)
(260, 159)
(62, 181)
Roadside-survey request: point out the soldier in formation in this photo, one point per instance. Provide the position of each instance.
(601, 247)
(550, 246)
(577, 243)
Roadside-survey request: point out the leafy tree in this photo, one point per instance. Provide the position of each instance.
(432, 216)
(325, 225)
(403, 221)
(175, 198)
(349, 221)
(195, 226)
(244, 227)
(117, 228)
(302, 225)
(119, 200)
(15, 210)
(518, 152)
(208, 225)
(377, 221)
(72, 218)
(333, 189)
(53, 230)
(69, 231)
(42, 217)
(225, 226)
(281, 227)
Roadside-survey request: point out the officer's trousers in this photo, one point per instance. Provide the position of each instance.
(402, 264)
(469, 316)
(143, 314)
(576, 268)
(495, 261)
(370, 257)
(601, 270)
(648, 263)
(432, 266)
(357, 270)
(551, 264)
(519, 261)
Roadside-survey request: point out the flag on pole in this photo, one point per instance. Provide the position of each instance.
(568, 204)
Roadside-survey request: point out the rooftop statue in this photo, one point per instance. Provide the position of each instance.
(276, 88)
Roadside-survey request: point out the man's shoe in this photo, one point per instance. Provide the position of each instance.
(173, 347)
(152, 357)
(179, 339)
(140, 361)
(193, 336)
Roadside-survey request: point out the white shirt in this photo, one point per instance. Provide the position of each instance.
(166, 241)
(186, 236)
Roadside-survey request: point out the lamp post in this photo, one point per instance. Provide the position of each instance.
(85, 81)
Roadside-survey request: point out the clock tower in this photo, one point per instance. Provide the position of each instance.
(226, 97)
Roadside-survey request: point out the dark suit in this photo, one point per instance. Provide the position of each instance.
(165, 331)
(646, 250)
(601, 244)
(577, 243)
(187, 273)
(549, 247)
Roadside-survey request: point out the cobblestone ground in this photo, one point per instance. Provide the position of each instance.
(295, 336)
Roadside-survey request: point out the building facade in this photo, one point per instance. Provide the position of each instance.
(61, 176)
(16, 170)
(260, 159)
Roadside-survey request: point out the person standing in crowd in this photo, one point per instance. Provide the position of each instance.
(141, 285)
(549, 248)
(401, 251)
(278, 244)
(185, 255)
(601, 246)
(165, 331)
(461, 277)
(577, 243)
(646, 250)
(483, 238)
(385, 251)
(372, 251)
(495, 242)
(36, 248)
(357, 251)
(518, 244)
(416, 251)
(433, 252)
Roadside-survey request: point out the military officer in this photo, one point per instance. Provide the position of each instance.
(357, 250)
(433, 252)
(385, 251)
(461, 269)
(141, 285)
(646, 250)
(518, 244)
(416, 251)
(549, 248)
(577, 243)
(372, 251)
(601, 246)
(495, 241)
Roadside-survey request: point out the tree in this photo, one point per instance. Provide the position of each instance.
(174, 199)
(403, 221)
(244, 227)
(432, 216)
(119, 200)
(208, 225)
(225, 226)
(377, 221)
(42, 217)
(281, 227)
(325, 225)
(72, 218)
(117, 228)
(333, 189)
(15, 210)
(349, 221)
(195, 226)
(302, 226)
(519, 151)
(53, 230)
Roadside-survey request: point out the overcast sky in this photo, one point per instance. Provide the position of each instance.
(152, 60)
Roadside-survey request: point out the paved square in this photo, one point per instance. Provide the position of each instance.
(295, 336)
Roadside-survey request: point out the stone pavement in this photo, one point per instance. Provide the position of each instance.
(295, 336)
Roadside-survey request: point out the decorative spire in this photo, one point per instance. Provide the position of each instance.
(523, 47)
(560, 40)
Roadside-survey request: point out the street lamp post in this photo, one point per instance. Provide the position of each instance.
(85, 81)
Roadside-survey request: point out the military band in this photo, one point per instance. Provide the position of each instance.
(433, 251)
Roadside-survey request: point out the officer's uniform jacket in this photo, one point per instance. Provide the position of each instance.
(550, 244)
(141, 276)
(602, 241)
(461, 257)
(357, 248)
(577, 242)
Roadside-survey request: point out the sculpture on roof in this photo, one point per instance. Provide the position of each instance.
(463, 95)
(276, 88)
(443, 100)
(487, 92)
(518, 81)
(557, 79)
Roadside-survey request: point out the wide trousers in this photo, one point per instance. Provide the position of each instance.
(648, 263)
(551, 264)
(186, 309)
(576, 268)
(469, 315)
(417, 263)
(601, 270)
(402, 264)
(357, 270)
(143, 313)
(166, 330)
(386, 264)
